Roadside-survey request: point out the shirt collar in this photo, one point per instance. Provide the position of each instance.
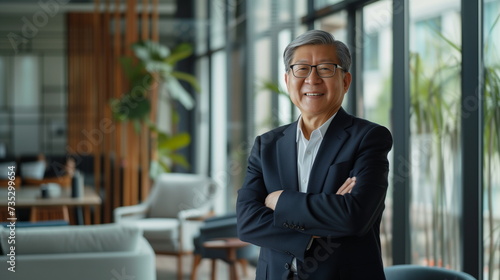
(322, 129)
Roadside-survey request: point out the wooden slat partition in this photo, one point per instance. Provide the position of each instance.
(155, 36)
(145, 137)
(96, 42)
(107, 94)
(100, 91)
(132, 156)
(117, 92)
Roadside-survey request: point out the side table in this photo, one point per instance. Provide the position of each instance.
(231, 245)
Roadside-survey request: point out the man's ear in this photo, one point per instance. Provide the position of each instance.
(347, 81)
(286, 78)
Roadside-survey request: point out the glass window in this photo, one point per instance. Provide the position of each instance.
(263, 97)
(4, 112)
(425, 42)
(201, 26)
(219, 129)
(217, 26)
(435, 63)
(285, 104)
(377, 94)
(284, 10)
(491, 182)
(336, 24)
(371, 51)
(300, 9)
(3, 81)
(26, 82)
(262, 14)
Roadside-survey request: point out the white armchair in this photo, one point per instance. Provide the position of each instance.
(164, 216)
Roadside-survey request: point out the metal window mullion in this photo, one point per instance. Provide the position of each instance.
(472, 138)
(400, 115)
(275, 30)
(210, 94)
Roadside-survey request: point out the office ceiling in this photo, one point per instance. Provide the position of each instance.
(14, 15)
(166, 7)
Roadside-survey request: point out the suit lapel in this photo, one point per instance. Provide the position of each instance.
(333, 141)
(287, 158)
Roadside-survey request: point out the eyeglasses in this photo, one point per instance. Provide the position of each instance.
(324, 70)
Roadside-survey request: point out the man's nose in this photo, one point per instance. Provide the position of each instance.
(313, 77)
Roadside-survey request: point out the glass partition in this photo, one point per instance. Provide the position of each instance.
(376, 97)
(219, 141)
(491, 181)
(263, 97)
(435, 94)
(336, 24)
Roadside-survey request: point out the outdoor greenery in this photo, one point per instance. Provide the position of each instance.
(492, 148)
(435, 120)
(153, 68)
(436, 115)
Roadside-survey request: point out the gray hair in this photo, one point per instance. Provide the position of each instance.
(318, 37)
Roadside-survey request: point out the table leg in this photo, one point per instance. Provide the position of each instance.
(233, 274)
(214, 269)
(87, 215)
(232, 271)
(97, 215)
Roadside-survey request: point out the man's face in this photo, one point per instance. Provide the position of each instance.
(316, 96)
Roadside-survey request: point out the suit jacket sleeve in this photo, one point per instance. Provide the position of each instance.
(353, 214)
(256, 221)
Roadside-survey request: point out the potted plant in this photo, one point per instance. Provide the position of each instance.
(153, 68)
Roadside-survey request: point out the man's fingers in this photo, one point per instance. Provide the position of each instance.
(272, 199)
(347, 186)
(344, 185)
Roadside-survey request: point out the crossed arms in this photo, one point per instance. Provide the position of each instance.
(349, 210)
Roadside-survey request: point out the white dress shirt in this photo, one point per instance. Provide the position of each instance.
(306, 153)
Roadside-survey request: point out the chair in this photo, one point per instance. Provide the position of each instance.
(8, 167)
(417, 272)
(56, 169)
(219, 228)
(167, 216)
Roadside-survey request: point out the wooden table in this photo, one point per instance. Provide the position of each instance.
(231, 245)
(30, 196)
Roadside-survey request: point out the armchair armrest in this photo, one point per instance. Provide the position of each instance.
(204, 210)
(130, 212)
(193, 214)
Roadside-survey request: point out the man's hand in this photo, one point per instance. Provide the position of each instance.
(347, 186)
(272, 199)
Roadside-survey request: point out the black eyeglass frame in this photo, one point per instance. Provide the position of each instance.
(316, 66)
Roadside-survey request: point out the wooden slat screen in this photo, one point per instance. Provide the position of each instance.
(96, 42)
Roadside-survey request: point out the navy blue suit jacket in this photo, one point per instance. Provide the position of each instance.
(349, 225)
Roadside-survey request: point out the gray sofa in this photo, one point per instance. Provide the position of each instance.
(108, 252)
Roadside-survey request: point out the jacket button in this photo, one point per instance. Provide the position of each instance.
(287, 266)
(302, 228)
(285, 225)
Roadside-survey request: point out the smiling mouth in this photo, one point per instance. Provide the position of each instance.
(313, 94)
